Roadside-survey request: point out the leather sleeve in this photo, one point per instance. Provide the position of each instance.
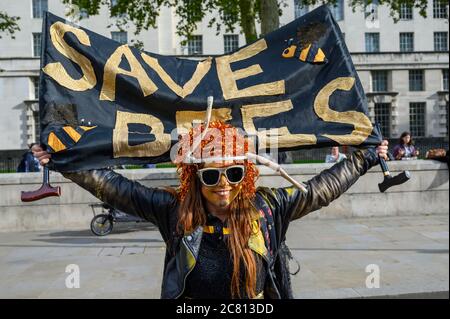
(151, 204)
(290, 203)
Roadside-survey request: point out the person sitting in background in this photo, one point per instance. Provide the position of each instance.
(29, 163)
(335, 156)
(405, 149)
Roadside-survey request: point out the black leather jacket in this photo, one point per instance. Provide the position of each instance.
(160, 207)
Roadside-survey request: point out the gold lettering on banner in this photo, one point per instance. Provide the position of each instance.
(282, 134)
(121, 147)
(184, 119)
(112, 69)
(228, 78)
(362, 125)
(57, 71)
(199, 73)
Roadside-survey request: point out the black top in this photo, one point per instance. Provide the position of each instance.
(211, 276)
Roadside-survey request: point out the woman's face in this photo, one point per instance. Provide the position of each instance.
(406, 139)
(223, 194)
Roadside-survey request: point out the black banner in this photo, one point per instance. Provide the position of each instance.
(103, 103)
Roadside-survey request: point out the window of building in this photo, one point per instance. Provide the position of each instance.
(383, 117)
(39, 6)
(230, 42)
(337, 10)
(379, 81)
(37, 44)
(373, 42)
(440, 41)
(300, 9)
(195, 45)
(440, 9)
(416, 80)
(35, 87)
(417, 119)
(406, 42)
(406, 13)
(120, 36)
(445, 79)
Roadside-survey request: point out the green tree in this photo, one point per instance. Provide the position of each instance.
(225, 14)
(8, 24)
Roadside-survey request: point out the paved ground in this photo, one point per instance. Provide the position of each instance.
(411, 254)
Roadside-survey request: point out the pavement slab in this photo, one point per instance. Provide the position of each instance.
(337, 257)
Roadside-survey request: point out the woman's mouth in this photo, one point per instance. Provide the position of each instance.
(222, 192)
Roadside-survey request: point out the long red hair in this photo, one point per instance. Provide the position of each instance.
(193, 214)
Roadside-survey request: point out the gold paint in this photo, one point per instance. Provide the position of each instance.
(184, 119)
(320, 56)
(190, 258)
(362, 125)
(256, 240)
(259, 296)
(112, 69)
(87, 128)
(289, 52)
(210, 230)
(228, 78)
(55, 143)
(72, 133)
(199, 73)
(282, 134)
(304, 53)
(121, 148)
(56, 70)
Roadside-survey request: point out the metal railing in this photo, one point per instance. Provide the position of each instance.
(9, 164)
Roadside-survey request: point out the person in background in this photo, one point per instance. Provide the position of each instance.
(335, 156)
(29, 163)
(405, 149)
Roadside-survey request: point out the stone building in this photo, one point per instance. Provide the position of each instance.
(403, 66)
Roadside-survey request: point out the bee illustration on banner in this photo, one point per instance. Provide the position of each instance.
(304, 47)
(67, 130)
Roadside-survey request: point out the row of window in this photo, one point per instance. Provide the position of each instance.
(417, 113)
(379, 81)
(416, 79)
(231, 42)
(440, 10)
(194, 45)
(417, 118)
(440, 40)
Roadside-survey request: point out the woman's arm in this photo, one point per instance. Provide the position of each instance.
(290, 203)
(152, 204)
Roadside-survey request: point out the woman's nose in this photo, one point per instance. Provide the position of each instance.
(223, 180)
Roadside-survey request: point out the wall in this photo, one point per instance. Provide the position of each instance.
(426, 193)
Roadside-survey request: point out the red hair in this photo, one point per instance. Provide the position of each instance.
(192, 212)
(236, 146)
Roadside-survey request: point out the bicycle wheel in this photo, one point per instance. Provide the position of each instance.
(101, 225)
